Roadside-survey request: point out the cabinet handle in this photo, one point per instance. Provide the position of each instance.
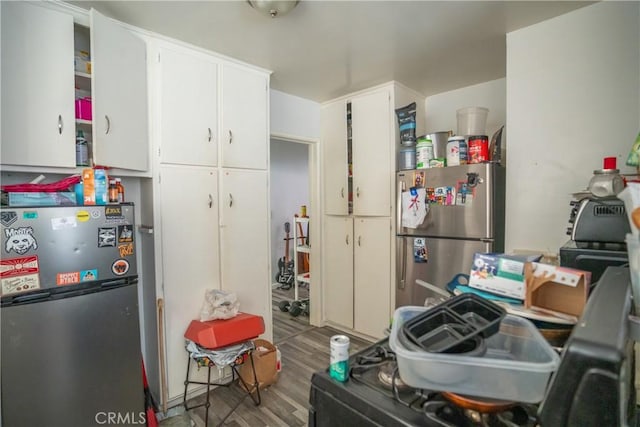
(357, 191)
(346, 239)
(210, 201)
(230, 136)
(230, 200)
(108, 124)
(59, 124)
(210, 134)
(359, 240)
(342, 192)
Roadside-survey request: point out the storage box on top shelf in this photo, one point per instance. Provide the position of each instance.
(60, 198)
(556, 289)
(500, 274)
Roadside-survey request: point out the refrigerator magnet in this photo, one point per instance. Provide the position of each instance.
(418, 179)
(120, 267)
(420, 253)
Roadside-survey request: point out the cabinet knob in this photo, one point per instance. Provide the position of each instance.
(230, 200)
(346, 239)
(342, 192)
(210, 134)
(59, 124)
(357, 191)
(106, 118)
(210, 201)
(230, 136)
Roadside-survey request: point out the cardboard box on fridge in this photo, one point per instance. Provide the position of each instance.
(500, 274)
(556, 289)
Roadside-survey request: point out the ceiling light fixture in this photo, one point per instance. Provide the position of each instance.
(273, 8)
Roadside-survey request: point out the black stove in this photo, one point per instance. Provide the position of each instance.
(375, 395)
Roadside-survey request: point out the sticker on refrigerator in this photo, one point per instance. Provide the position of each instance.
(83, 216)
(95, 213)
(431, 195)
(126, 249)
(29, 215)
(125, 234)
(8, 218)
(20, 240)
(113, 212)
(88, 275)
(106, 237)
(465, 194)
(420, 253)
(70, 278)
(120, 267)
(20, 284)
(418, 179)
(64, 223)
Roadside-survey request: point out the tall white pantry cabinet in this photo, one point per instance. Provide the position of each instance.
(359, 139)
(211, 185)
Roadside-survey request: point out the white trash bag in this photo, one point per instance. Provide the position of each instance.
(219, 305)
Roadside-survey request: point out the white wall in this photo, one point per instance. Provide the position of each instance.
(289, 191)
(572, 99)
(441, 108)
(294, 116)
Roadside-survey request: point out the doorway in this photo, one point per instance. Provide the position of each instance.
(290, 202)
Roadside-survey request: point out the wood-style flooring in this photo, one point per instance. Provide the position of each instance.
(304, 349)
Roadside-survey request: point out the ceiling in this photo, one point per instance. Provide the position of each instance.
(325, 49)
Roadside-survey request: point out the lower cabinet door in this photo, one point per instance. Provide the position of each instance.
(337, 263)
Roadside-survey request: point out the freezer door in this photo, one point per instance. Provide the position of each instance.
(475, 209)
(433, 260)
(53, 247)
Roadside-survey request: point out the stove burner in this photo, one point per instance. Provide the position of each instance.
(388, 376)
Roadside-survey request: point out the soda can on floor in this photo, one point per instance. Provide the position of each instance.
(339, 361)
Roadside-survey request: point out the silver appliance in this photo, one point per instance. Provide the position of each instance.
(70, 336)
(454, 229)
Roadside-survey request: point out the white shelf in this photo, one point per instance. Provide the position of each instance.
(300, 237)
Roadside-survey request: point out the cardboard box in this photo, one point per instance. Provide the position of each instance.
(500, 274)
(556, 289)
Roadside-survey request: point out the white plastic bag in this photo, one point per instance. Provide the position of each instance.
(219, 305)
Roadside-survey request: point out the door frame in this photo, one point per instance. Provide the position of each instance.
(315, 228)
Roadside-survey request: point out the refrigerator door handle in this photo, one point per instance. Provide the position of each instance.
(400, 189)
(31, 298)
(403, 265)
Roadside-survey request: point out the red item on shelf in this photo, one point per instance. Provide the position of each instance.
(610, 163)
(224, 332)
(62, 185)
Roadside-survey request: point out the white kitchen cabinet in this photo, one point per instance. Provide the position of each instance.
(189, 107)
(244, 240)
(372, 275)
(357, 273)
(119, 91)
(358, 150)
(38, 120)
(190, 262)
(338, 270)
(333, 134)
(244, 118)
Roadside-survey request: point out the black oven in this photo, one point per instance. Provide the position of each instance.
(593, 386)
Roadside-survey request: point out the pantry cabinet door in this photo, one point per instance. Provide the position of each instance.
(38, 120)
(337, 263)
(333, 141)
(189, 110)
(190, 261)
(244, 240)
(119, 90)
(244, 130)
(372, 271)
(372, 151)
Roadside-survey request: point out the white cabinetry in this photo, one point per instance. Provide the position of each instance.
(189, 108)
(338, 270)
(333, 134)
(244, 129)
(37, 86)
(119, 90)
(190, 264)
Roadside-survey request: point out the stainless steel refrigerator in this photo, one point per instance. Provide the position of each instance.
(465, 214)
(70, 336)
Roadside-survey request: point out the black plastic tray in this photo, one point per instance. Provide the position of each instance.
(453, 322)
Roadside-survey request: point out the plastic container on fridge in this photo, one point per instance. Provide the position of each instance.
(472, 120)
(516, 366)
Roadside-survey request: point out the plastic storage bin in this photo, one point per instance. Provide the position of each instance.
(472, 120)
(516, 366)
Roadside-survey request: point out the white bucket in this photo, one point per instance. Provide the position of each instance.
(472, 120)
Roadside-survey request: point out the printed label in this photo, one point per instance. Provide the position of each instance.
(95, 213)
(420, 253)
(125, 234)
(29, 215)
(8, 218)
(63, 279)
(20, 240)
(19, 266)
(88, 275)
(106, 237)
(126, 249)
(113, 212)
(64, 223)
(83, 216)
(120, 267)
(20, 284)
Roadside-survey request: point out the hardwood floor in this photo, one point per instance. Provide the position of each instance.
(304, 349)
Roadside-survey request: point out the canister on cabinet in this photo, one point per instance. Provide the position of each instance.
(456, 151)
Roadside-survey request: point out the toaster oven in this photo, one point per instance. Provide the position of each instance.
(598, 220)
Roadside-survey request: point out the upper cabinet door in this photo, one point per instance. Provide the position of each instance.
(333, 137)
(189, 108)
(372, 149)
(38, 120)
(244, 130)
(119, 89)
